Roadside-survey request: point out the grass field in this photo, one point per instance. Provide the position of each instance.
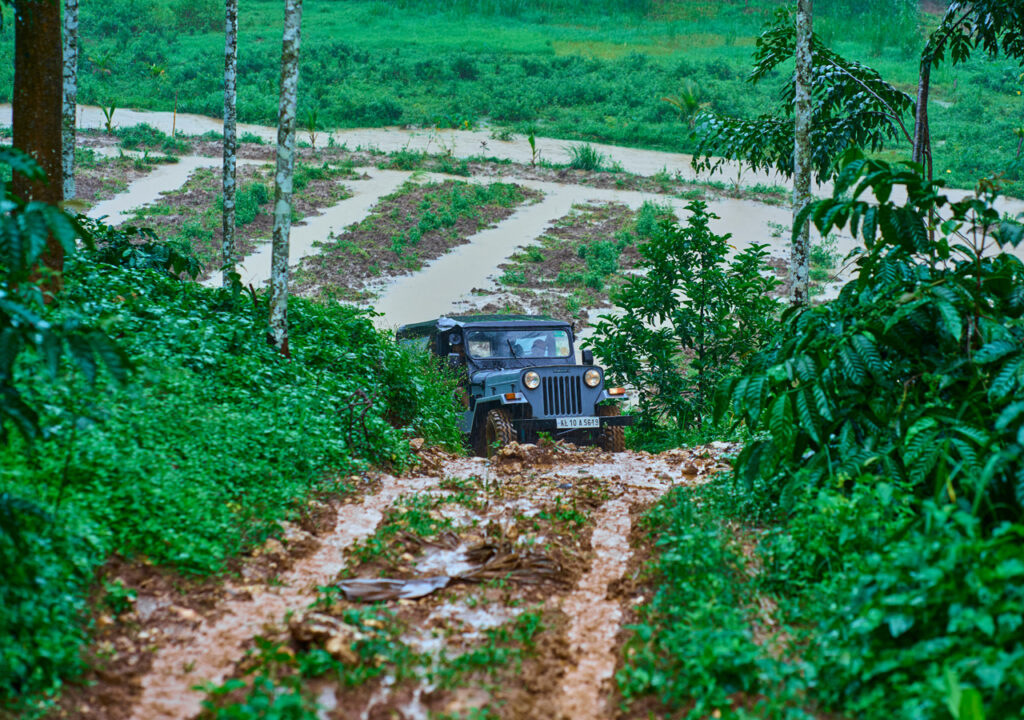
(564, 68)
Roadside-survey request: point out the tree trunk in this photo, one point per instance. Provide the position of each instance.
(70, 95)
(37, 112)
(799, 270)
(230, 134)
(922, 151)
(283, 176)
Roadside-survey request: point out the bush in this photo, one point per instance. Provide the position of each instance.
(248, 201)
(674, 353)
(586, 157)
(928, 613)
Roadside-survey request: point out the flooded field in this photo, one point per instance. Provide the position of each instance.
(469, 271)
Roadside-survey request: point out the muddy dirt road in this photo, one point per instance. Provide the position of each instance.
(499, 601)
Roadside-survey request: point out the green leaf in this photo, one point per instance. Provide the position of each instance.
(950, 318)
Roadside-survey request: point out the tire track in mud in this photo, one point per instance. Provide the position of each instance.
(578, 684)
(210, 653)
(595, 619)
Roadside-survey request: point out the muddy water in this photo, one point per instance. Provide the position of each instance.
(255, 268)
(147, 189)
(461, 143)
(467, 143)
(211, 652)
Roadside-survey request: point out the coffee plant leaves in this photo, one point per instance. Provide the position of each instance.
(915, 371)
(676, 352)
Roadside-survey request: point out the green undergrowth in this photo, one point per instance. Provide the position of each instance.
(212, 442)
(875, 611)
(692, 647)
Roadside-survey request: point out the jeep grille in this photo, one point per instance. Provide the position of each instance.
(562, 395)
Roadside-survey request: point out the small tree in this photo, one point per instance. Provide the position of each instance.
(26, 326)
(993, 25)
(283, 176)
(70, 95)
(230, 136)
(687, 319)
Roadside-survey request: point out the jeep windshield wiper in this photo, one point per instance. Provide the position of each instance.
(512, 349)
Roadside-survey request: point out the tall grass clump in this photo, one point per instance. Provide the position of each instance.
(586, 157)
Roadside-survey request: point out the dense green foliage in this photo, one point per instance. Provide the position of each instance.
(212, 442)
(916, 372)
(688, 319)
(593, 71)
(854, 606)
(885, 466)
(693, 647)
(26, 228)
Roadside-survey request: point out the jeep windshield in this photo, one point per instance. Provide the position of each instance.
(498, 344)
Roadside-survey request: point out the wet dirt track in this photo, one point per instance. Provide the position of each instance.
(545, 529)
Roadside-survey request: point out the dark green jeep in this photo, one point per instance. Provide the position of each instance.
(521, 379)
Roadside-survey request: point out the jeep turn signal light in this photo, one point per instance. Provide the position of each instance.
(511, 396)
(617, 391)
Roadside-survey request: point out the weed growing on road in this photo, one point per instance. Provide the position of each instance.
(586, 157)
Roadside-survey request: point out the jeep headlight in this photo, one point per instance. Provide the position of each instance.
(592, 378)
(531, 380)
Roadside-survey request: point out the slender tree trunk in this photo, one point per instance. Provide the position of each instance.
(283, 176)
(70, 95)
(37, 113)
(799, 270)
(922, 151)
(230, 134)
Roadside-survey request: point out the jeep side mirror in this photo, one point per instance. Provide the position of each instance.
(454, 360)
(587, 357)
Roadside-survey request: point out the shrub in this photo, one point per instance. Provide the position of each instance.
(586, 157)
(675, 352)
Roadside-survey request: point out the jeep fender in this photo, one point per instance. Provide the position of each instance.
(485, 404)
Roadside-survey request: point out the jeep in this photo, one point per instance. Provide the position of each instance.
(519, 379)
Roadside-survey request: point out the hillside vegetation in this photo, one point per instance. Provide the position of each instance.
(212, 441)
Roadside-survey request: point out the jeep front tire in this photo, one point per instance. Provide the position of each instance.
(498, 431)
(612, 437)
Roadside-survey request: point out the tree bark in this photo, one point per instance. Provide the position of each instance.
(37, 112)
(230, 134)
(70, 95)
(283, 176)
(799, 270)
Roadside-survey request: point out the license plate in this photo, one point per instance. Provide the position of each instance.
(574, 423)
